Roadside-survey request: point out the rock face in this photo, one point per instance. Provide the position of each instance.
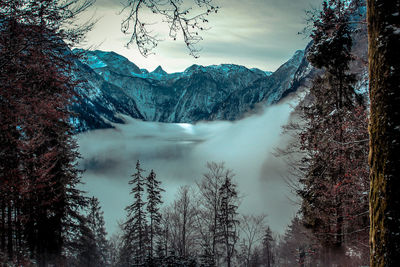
(113, 85)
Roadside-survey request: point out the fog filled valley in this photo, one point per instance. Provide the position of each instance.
(178, 154)
(263, 150)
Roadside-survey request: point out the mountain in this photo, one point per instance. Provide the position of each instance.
(268, 90)
(113, 85)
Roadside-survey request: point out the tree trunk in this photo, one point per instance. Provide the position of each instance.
(10, 249)
(384, 158)
(3, 225)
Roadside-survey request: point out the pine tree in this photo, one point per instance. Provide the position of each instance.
(38, 153)
(267, 245)
(153, 209)
(89, 247)
(227, 231)
(135, 226)
(83, 250)
(298, 246)
(334, 138)
(95, 222)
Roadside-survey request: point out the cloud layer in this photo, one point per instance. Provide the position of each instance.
(178, 154)
(254, 33)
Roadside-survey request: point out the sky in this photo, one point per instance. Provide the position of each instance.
(178, 154)
(254, 33)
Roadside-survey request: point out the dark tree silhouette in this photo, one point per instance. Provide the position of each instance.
(267, 248)
(134, 227)
(297, 247)
(40, 202)
(153, 210)
(97, 253)
(227, 228)
(333, 170)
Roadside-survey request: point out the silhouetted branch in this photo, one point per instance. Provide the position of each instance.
(188, 21)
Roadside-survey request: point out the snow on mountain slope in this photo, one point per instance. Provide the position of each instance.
(99, 102)
(112, 85)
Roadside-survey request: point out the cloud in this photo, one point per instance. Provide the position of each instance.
(178, 154)
(256, 30)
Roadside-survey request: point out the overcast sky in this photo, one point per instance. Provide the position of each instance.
(253, 33)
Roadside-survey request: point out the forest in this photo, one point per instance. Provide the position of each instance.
(344, 153)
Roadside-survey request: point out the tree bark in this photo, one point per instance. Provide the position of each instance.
(384, 157)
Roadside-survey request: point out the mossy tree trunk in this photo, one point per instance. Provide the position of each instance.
(384, 158)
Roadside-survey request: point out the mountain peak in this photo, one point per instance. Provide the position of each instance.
(223, 92)
(298, 53)
(159, 70)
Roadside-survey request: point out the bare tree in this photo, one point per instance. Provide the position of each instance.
(252, 232)
(182, 223)
(210, 200)
(187, 20)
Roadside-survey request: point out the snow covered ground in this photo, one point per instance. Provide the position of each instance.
(178, 154)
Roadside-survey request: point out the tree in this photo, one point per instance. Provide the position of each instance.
(153, 208)
(252, 229)
(83, 250)
(181, 19)
(298, 247)
(95, 223)
(163, 246)
(134, 227)
(267, 248)
(210, 204)
(116, 247)
(383, 24)
(334, 139)
(182, 225)
(206, 258)
(227, 227)
(330, 139)
(38, 153)
(384, 157)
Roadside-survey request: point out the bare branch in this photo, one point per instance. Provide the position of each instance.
(185, 21)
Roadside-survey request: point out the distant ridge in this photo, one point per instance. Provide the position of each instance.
(113, 85)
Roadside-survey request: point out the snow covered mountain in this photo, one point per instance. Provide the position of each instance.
(113, 85)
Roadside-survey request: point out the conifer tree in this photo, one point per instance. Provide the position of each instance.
(153, 209)
(135, 226)
(267, 245)
(227, 231)
(38, 153)
(297, 246)
(83, 249)
(96, 224)
(334, 140)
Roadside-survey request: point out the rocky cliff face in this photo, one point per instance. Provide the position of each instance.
(113, 85)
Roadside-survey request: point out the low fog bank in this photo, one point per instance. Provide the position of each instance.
(178, 154)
